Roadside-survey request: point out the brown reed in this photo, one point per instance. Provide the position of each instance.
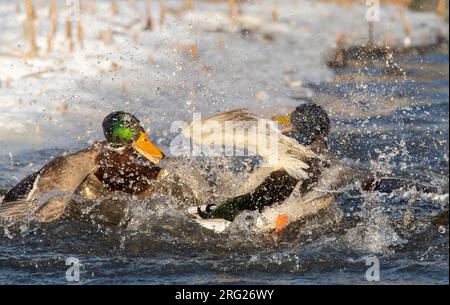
(162, 12)
(53, 13)
(31, 30)
(275, 11)
(91, 7)
(233, 9)
(441, 8)
(68, 24)
(114, 8)
(406, 25)
(194, 50)
(106, 36)
(80, 32)
(123, 87)
(148, 16)
(132, 4)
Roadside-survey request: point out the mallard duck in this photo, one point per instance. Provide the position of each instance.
(297, 164)
(116, 163)
(303, 182)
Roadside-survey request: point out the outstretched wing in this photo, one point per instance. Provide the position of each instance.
(23, 189)
(16, 210)
(244, 130)
(63, 174)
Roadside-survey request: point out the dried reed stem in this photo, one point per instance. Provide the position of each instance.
(406, 28)
(194, 51)
(388, 40)
(123, 87)
(221, 43)
(136, 37)
(92, 7)
(53, 12)
(132, 4)
(68, 23)
(162, 12)
(340, 39)
(114, 8)
(106, 36)
(275, 11)
(338, 59)
(30, 27)
(148, 16)
(233, 9)
(441, 8)
(80, 32)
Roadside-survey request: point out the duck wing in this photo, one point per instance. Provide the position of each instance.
(22, 189)
(245, 130)
(15, 210)
(59, 179)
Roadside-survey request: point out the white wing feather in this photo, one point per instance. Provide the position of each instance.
(227, 128)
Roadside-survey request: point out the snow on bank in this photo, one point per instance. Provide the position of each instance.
(199, 61)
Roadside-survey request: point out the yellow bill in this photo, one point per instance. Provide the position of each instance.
(285, 121)
(146, 148)
(281, 223)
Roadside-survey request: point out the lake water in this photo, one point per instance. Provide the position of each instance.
(401, 121)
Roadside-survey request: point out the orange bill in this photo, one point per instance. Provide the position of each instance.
(285, 121)
(146, 148)
(281, 223)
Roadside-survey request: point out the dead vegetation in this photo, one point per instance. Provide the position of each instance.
(53, 13)
(79, 7)
(73, 29)
(31, 27)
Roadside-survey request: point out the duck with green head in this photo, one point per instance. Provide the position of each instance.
(123, 130)
(309, 125)
(270, 189)
(130, 160)
(127, 161)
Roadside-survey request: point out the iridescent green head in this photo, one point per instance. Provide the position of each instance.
(124, 129)
(121, 128)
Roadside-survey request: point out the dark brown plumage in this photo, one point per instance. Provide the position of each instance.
(123, 170)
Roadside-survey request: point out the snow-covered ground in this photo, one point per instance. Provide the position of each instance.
(197, 61)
